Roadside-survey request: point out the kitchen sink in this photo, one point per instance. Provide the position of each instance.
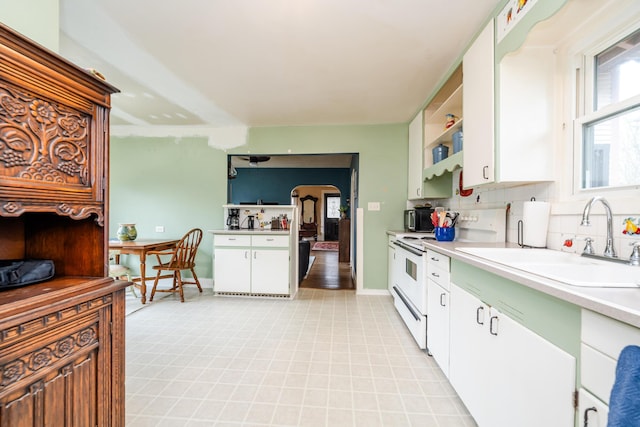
(564, 267)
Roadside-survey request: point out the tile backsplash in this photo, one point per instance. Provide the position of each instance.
(561, 227)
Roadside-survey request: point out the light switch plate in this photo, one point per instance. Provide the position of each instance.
(159, 228)
(373, 206)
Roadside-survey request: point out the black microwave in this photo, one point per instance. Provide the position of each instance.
(418, 219)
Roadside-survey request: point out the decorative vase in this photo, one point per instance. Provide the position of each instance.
(127, 232)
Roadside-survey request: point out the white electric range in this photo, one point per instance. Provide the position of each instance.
(409, 289)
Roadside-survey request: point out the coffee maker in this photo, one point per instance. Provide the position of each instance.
(233, 219)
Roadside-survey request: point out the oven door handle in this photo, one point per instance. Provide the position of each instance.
(408, 248)
(406, 303)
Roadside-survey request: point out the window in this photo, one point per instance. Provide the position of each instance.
(609, 129)
(333, 206)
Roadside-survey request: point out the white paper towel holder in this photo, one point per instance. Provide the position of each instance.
(521, 232)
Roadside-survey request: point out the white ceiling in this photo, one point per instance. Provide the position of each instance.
(240, 63)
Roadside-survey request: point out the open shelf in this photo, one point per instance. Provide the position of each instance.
(449, 164)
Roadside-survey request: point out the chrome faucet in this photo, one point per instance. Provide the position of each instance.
(609, 250)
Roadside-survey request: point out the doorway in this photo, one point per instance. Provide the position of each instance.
(331, 216)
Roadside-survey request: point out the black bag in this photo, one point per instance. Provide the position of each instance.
(18, 273)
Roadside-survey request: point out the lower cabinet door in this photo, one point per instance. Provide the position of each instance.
(591, 411)
(438, 325)
(232, 270)
(270, 271)
(504, 373)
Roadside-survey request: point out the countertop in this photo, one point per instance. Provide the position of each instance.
(249, 232)
(622, 304)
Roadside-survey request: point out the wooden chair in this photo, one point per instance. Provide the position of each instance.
(119, 271)
(183, 257)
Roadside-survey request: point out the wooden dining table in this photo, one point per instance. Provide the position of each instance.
(141, 248)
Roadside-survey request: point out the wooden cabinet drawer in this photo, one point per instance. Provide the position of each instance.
(598, 372)
(231, 240)
(270, 241)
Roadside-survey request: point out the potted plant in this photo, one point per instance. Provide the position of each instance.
(343, 211)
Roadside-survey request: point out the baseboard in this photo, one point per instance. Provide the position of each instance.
(373, 292)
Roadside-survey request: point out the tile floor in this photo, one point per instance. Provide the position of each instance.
(326, 358)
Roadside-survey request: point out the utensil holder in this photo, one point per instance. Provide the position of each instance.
(445, 234)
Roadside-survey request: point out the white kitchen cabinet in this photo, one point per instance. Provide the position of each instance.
(602, 340)
(414, 166)
(502, 143)
(438, 325)
(591, 411)
(270, 271)
(438, 309)
(391, 263)
(505, 374)
(232, 270)
(252, 264)
(478, 109)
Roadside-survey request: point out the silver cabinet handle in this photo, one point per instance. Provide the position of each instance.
(434, 259)
(246, 254)
(435, 274)
(485, 169)
(491, 324)
(442, 299)
(478, 311)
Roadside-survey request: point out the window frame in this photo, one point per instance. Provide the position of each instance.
(584, 93)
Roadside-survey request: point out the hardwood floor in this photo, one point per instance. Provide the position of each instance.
(327, 273)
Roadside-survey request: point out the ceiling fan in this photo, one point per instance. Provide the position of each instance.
(254, 160)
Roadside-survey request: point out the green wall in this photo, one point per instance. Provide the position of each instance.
(181, 183)
(37, 19)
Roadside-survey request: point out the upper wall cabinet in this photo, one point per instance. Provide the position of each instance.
(414, 178)
(509, 110)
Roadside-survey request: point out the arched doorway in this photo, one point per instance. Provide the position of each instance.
(325, 269)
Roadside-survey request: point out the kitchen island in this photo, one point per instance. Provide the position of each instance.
(259, 262)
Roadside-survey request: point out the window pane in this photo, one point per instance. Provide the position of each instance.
(333, 207)
(611, 151)
(617, 71)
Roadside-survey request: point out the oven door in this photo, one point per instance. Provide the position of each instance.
(412, 276)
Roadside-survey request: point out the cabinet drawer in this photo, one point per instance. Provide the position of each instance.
(439, 276)
(438, 260)
(598, 372)
(607, 335)
(231, 240)
(270, 241)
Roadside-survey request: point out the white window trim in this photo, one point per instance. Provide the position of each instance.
(578, 70)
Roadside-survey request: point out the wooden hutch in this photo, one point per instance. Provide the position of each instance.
(61, 341)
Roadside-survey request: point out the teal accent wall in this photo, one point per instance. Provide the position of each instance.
(182, 183)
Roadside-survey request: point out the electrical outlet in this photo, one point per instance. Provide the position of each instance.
(373, 206)
(159, 228)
